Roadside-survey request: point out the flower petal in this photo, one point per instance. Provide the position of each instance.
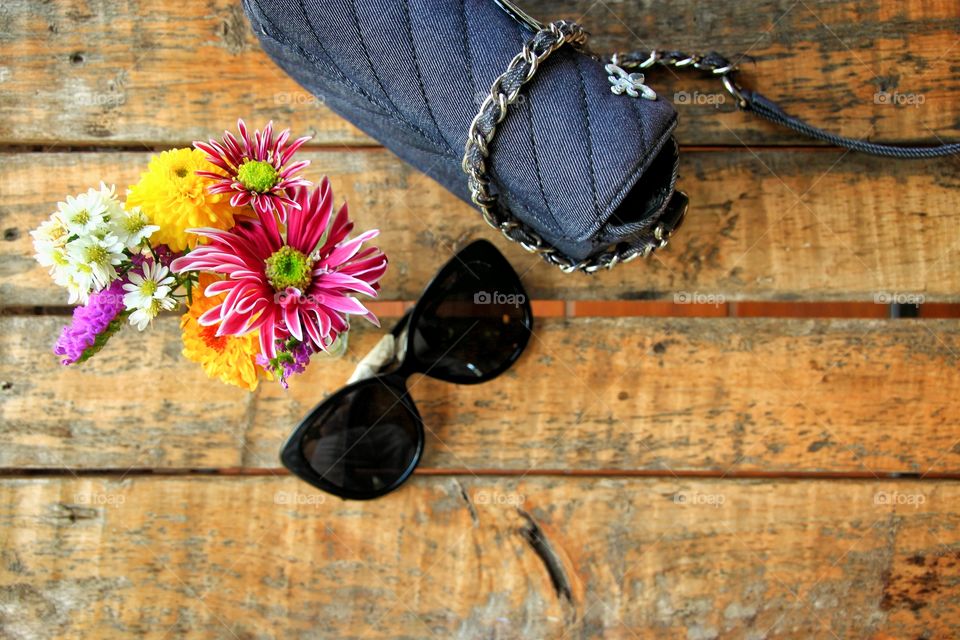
(210, 317)
(291, 316)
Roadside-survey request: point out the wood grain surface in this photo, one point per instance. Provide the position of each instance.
(668, 395)
(673, 477)
(129, 72)
(544, 558)
(771, 225)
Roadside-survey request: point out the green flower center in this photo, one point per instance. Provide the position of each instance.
(81, 217)
(57, 232)
(96, 254)
(180, 172)
(257, 175)
(289, 268)
(148, 288)
(134, 224)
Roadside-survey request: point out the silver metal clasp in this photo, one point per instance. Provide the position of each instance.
(630, 83)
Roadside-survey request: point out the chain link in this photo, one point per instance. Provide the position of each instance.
(712, 62)
(503, 92)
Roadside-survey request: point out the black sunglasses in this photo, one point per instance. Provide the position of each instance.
(470, 325)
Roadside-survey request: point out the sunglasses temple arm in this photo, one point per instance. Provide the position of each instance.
(382, 354)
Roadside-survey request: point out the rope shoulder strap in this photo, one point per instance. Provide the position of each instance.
(754, 102)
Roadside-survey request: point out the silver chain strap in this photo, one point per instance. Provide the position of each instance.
(503, 92)
(712, 63)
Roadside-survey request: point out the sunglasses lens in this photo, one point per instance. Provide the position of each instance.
(365, 443)
(475, 319)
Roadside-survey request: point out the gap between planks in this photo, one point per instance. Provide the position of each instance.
(831, 476)
(657, 308)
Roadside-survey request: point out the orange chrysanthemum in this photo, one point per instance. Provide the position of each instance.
(232, 359)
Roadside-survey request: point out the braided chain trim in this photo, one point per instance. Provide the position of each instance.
(504, 92)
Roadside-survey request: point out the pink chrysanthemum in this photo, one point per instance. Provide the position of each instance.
(259, 171)
(288, 284)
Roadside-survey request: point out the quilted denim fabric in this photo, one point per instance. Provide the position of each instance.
(567, 160)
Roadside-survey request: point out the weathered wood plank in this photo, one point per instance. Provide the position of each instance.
(862, 228)
(690, 394)
(153, 72)
(158, 72)
(469, 557)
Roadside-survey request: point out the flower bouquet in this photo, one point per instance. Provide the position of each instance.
(230, 231)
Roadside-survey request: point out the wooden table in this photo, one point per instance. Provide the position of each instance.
(739, 468)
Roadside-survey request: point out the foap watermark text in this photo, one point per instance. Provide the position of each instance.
(496, 297)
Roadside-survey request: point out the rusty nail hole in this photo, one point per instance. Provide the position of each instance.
(76, 58)
(11, 234)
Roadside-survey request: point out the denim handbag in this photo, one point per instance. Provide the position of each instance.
(569, 155)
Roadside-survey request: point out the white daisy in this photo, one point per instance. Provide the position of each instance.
(51, 255)
(49, 240)
(98, 256)
(149, 294)
(140, 318)
(132, 227)
(86, 213)
(78, 281)
(51, 231)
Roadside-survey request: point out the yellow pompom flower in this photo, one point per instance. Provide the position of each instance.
(232, 359)
(174, 197)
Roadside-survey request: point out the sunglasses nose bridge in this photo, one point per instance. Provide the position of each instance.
(407, 366)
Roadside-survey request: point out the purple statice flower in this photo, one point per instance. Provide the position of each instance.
(292, 358)
(92, 325)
